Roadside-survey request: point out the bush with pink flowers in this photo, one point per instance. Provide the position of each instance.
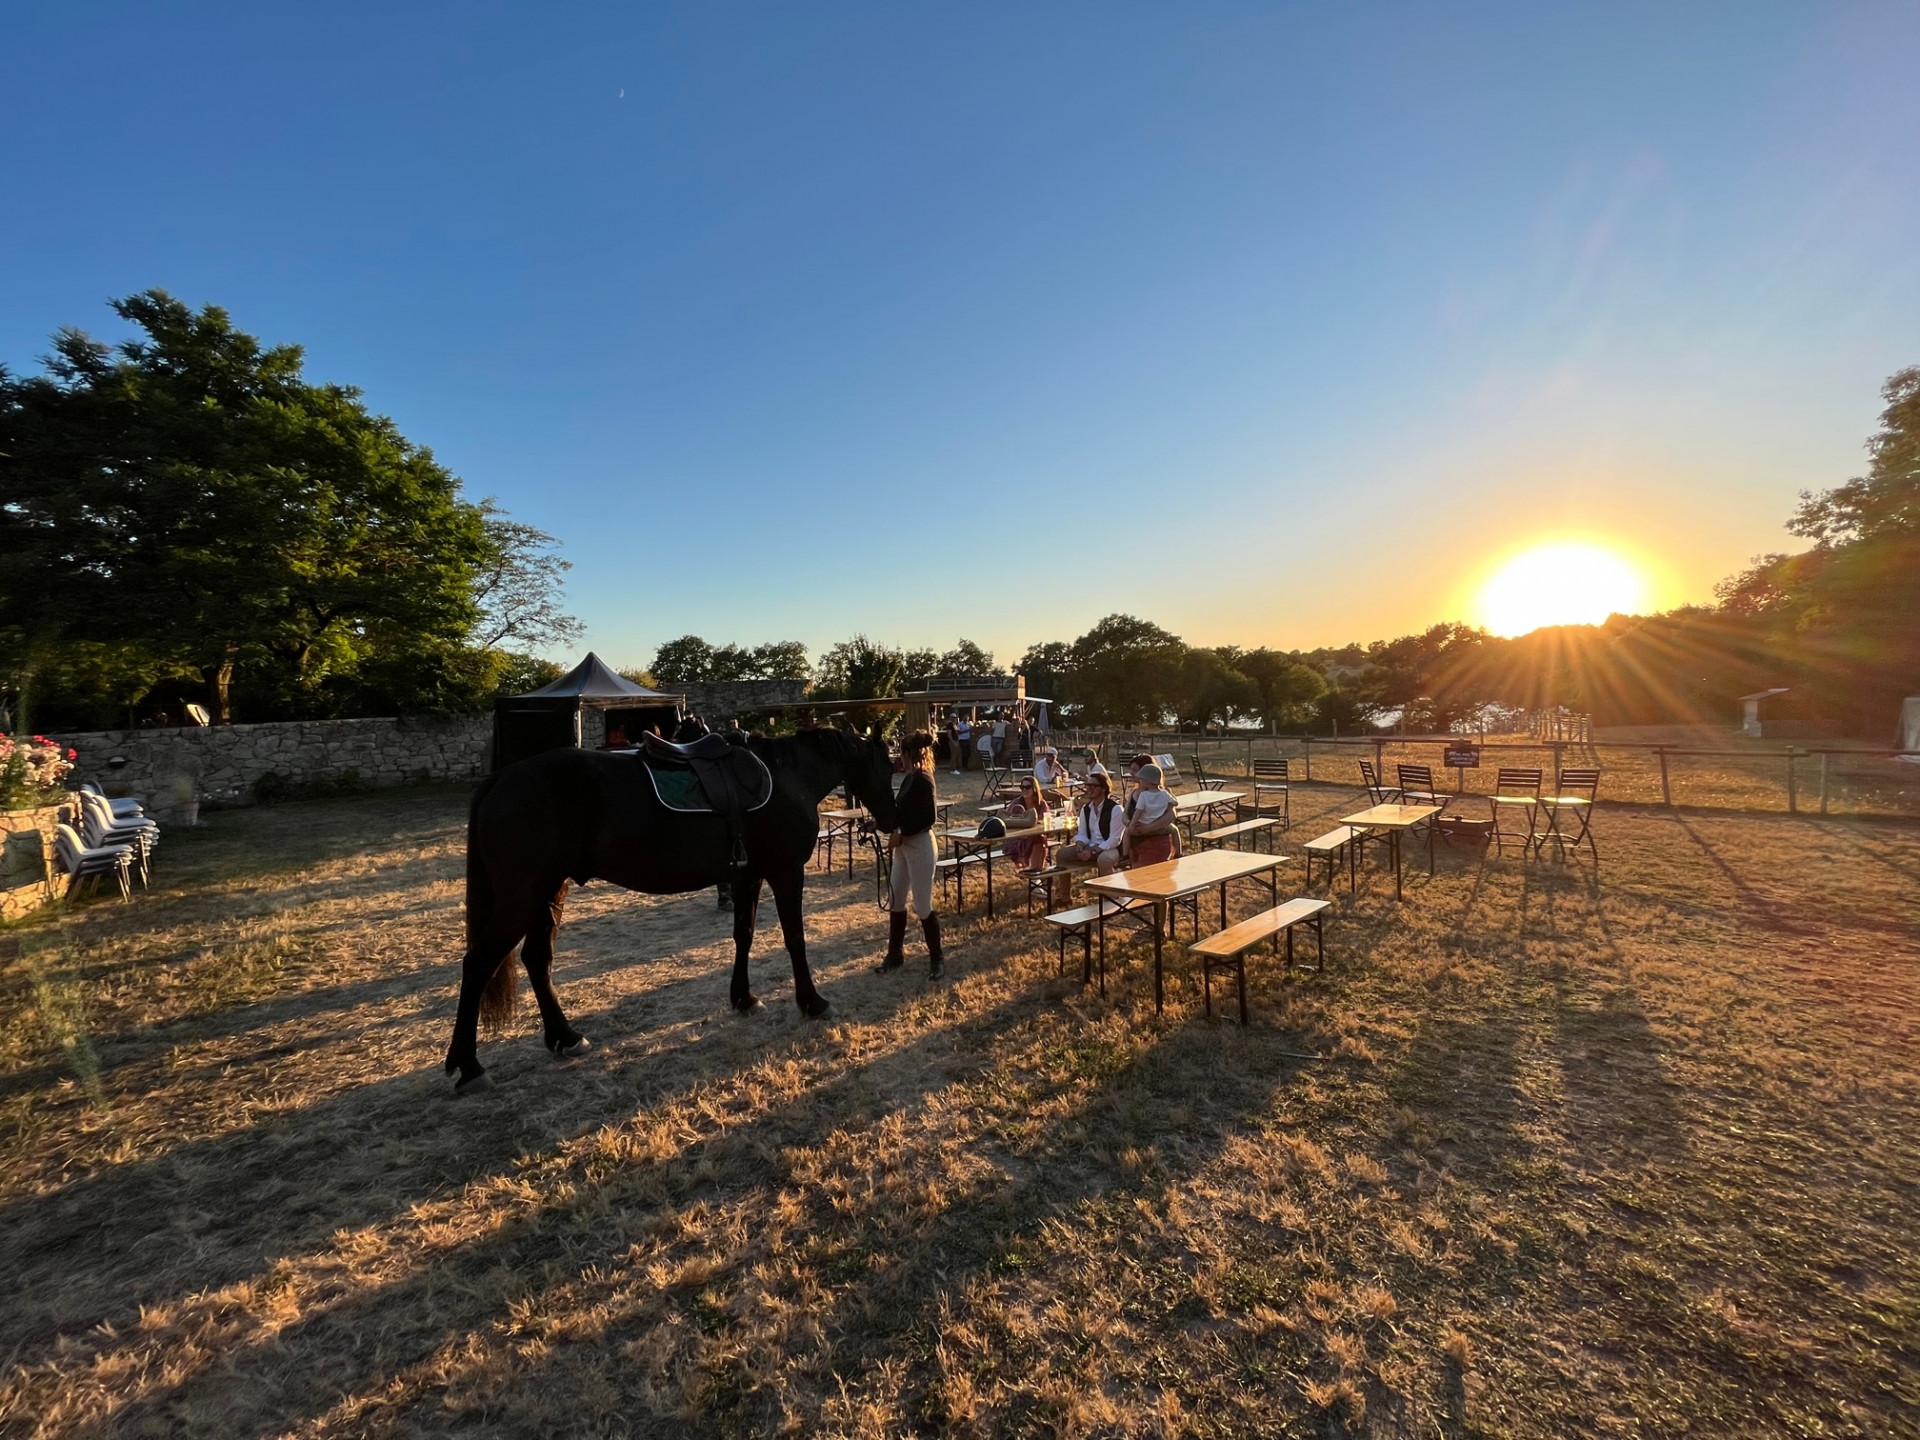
(31, 771)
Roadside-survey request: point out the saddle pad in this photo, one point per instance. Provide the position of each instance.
(678, 788)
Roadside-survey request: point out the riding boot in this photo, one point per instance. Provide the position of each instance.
(936, 962)
(726, 896)
(896, 943)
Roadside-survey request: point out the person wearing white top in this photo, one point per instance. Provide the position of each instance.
(1103, 825)
(1049, 774)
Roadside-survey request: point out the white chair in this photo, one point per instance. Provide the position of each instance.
(99, 829)
(84, 864)
(126, 808)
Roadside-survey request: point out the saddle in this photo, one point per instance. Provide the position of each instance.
(710, 775)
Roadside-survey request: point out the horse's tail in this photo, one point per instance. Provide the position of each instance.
(503, 987)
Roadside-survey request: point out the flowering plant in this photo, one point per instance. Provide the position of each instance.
(31, 770)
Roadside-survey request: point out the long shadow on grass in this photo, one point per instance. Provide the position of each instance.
(75, 1253)
(586, 1230)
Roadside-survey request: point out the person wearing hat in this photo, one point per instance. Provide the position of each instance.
(914, 809)
(1103, 826)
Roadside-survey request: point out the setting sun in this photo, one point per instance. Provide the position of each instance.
(1565, 582)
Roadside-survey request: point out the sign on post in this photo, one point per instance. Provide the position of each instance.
(1463, 755)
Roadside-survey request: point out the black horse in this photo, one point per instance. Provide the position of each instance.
(569, 816)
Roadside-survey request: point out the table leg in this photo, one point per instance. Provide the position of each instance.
(1431, 827)
(1394, 845)
(1159, 918)
(1223, 906)
(989, 882)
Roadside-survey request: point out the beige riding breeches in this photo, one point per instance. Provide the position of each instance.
(913, 872)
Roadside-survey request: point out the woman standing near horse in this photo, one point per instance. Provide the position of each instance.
(914, 808)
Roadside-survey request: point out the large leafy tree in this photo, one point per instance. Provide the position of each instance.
(1284, 686)
(1126, 671)
(191, 494)
(517, 588)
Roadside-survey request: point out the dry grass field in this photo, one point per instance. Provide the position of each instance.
(1551, 1149)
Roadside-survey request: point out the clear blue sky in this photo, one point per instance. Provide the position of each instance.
(1295, 316)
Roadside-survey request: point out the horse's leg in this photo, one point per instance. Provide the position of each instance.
(786, 899)
(746, 909)
(484, 959)
(537, 954)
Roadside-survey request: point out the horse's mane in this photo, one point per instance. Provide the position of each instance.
(830, 744)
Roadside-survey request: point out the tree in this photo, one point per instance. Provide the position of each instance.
(1212, 690)
(1046, 667)
(190, 493)
(859, 669)
(1126, 671)
(1283, 686)
(691, 660)
(518, 587)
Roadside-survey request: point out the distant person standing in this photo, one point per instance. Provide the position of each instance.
(1000, 740)
(963, 732)
(913, 858)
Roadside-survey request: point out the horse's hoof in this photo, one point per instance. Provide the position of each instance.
(752, 1007)
(477, 1085)
(579, 1045)
(818, 1009)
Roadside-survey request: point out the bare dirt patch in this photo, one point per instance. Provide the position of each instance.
(1618, 1150)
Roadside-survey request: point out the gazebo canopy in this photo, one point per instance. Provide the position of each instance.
(591, 679)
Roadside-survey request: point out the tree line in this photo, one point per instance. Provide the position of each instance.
(185, 517)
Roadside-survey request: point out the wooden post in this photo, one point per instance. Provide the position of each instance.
(1380, 759)
(1823, 782)
(1306, 744)
(1666, 790)
(1793, 797)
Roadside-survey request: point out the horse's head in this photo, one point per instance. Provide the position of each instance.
(870, 777)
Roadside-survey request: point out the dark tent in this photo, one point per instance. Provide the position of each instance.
(548, 718)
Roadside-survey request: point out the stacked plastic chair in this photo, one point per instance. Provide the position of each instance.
(100, 827)
(85, 863)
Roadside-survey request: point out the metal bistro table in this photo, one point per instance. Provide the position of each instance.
(1395, 820)
(970, 841)
(1163, 884)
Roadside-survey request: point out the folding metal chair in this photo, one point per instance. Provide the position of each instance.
(1270, 778)
(1376, 792)
(1575, 794)
(1204, 780)
(1515, 789)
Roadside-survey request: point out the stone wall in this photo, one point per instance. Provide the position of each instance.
(723, 699)
(175, 768)
(28, 878)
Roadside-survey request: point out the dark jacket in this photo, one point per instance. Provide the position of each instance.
(913, 806)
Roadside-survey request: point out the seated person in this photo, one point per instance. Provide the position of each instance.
(1051, 776)
(1027, 851)
(1103, 825)
(1150, 835)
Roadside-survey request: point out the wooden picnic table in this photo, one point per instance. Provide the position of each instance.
(843, 824)
(1173, 880)
(966, 840)
(1395, 820)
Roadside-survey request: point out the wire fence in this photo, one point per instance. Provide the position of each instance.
(1824, 780)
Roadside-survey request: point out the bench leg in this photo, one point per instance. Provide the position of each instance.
(1320, 937)
(1289, 947)
(1206, 983)
(1242, 967)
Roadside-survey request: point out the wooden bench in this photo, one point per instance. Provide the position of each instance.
(1040, 882)
(1083, 921)
(1328, 847)
(1238, 832)
(954, 867)
(1230, 946)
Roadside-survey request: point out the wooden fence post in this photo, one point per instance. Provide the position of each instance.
(1380, 759)
(1306, 744)
(1793, 798)
(1823, 782)
(1666, 790)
